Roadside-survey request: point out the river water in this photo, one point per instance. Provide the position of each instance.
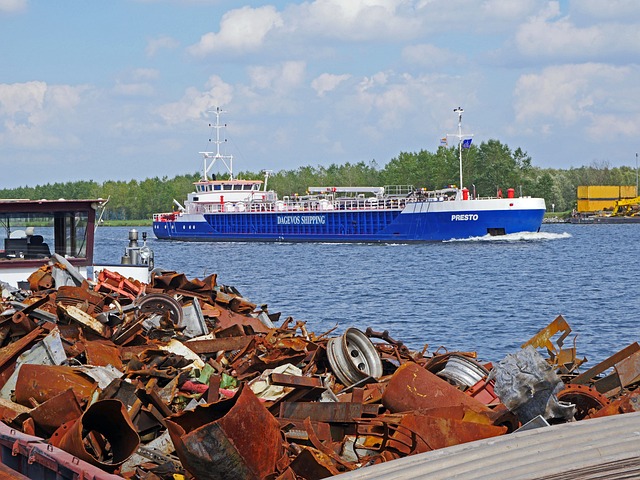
(483, 295)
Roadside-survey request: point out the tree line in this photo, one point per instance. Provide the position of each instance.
(487, 167)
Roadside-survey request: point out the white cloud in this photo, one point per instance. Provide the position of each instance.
(386, 101)
(13, 6)
(30, 113)
(426, 55)
(138, 85)
(327, 82)
(471, 16)
(145, 74)
(356, 19)
(134, 89)
(21, 97)
(280, 78)
(241, 30)
(611, 9)
(194, 104)
(545, 37)
(589, 96)
(507, 10)
(154, 45)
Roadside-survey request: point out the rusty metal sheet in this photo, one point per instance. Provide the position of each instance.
(23, 322)
(624, 404)
(296, 430)
(10, 353)
(74, 313)
(273, 359)
(149, 395)
(588, 376)
(312, 464)
(433, 432)
(34, 458)
(60, 409)
(483, 391)
(251, 325)
(102, 353)
(239, 436)
(82, 297)
(10, 410)
(42, 382)
(109, 281)
(226, 344)
(41, 279)
(295, 381)
(412, 387)
(331, 412)
(241, 305)
(105, 422)
(628, 369)
(542, 339)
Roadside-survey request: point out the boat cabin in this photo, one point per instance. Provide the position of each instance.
(32, 230)
(224, 186)
(226, 191)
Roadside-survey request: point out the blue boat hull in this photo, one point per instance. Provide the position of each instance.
(419, 223)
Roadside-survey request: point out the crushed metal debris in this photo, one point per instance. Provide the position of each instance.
(184, 378)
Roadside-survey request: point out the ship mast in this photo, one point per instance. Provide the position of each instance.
(210, 158)
(459, 136)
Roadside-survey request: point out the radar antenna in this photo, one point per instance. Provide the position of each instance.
(460, 138)
(210, 158)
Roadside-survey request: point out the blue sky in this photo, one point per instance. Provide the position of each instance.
(121, 90)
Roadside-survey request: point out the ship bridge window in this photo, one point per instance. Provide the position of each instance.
(29, 235)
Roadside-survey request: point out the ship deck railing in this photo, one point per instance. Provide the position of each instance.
(290, 206)
(310, 204)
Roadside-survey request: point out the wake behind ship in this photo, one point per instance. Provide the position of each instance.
(244, 210)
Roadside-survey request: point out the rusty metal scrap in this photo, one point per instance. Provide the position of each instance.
(187, 377)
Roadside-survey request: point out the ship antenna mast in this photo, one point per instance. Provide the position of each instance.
(210, 158)
(459, 136)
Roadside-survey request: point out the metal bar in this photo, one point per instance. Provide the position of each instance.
(337, 412)
(226, 344)
(295, 381)
(608, 363)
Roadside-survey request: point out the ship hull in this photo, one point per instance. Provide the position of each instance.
(422, 221)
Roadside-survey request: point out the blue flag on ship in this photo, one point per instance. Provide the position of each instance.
(466, 143)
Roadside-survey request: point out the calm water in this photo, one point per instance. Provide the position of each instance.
(487, 296)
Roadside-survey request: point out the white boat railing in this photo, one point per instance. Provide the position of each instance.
(321, 203)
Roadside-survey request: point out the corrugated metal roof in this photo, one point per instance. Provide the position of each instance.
(600, 448)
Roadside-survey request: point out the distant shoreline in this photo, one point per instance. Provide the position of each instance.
(126, 223)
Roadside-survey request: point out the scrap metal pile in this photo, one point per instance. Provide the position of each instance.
(187, 378)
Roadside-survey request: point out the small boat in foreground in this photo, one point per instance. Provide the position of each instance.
(244, 210)
(38, 232)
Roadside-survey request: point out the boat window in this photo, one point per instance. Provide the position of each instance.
(237, 187)
(216, 187)
(31, 235)
(227, 187)
(247, 187)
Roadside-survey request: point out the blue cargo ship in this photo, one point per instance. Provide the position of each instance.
(245, 210)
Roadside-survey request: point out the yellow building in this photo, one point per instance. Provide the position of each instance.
(594, 198)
